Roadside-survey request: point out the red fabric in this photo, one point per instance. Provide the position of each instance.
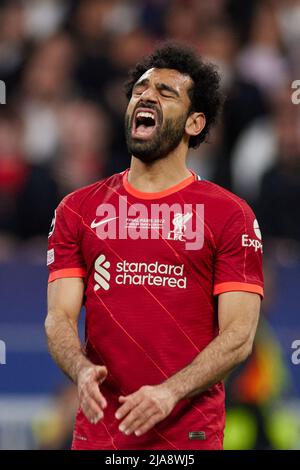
(145, 333)
(12, 175)
(238, 286)
(69, 272)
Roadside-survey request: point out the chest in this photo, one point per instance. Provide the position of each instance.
(144, 239)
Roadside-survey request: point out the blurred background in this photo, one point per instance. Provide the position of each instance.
(64, 63)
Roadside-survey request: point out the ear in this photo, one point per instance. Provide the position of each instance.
(195, 123)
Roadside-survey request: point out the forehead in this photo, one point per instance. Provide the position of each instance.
(181, 82)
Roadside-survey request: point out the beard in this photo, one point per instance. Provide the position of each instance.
(166, 137)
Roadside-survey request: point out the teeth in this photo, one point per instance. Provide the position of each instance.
(144, 114)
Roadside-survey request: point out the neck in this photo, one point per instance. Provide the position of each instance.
(160, 174)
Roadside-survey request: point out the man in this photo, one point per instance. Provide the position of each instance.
(168, 267)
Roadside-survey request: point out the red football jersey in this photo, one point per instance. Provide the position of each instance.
(153, 265)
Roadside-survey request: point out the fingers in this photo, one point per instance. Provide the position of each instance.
(129, 403)
(141, 410)
(101, 373)
(135, 419)
(137, 412)
(152, 421)
(91, 410)
(96, 395)
(91, 400)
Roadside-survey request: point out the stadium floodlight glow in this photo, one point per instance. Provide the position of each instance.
(2, 352)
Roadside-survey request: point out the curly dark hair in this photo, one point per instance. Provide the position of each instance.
(205, 94)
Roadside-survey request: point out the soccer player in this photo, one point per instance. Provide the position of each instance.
(168, 267)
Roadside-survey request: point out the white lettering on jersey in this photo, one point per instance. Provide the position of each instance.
(139, 273)
(248, 242)
(175, 222)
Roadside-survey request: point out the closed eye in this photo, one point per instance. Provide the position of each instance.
(137, 92)
(138, 89)
(166, 94)
(167, 91)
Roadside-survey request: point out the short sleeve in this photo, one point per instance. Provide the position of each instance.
(64, 257)
(238, 261)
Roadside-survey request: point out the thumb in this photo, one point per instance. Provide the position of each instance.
(101, 373)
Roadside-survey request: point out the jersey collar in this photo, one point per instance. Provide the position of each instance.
(156, 195)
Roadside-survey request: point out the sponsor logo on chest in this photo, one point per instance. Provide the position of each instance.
(138, 274)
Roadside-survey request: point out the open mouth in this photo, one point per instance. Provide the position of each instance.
(144, 123)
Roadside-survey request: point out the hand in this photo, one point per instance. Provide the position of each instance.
(91, 400)
(145, 408)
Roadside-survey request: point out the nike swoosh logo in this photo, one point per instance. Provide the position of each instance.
(95, 224)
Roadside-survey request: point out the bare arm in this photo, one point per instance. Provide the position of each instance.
(64, 304)
(238, 314)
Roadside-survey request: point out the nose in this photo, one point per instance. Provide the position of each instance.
(150, 95)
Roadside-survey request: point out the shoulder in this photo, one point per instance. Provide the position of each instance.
(81, 197)
(225, 214)
(221, 200)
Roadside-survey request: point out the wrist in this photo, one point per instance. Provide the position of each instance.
(81, 364)
(174, 389)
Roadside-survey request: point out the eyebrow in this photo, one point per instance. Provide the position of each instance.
(159, 86)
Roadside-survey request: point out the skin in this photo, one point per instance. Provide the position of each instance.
(170, 170)
(65, 298)
(238, 312)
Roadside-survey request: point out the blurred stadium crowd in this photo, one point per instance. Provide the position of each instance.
(64, 63)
